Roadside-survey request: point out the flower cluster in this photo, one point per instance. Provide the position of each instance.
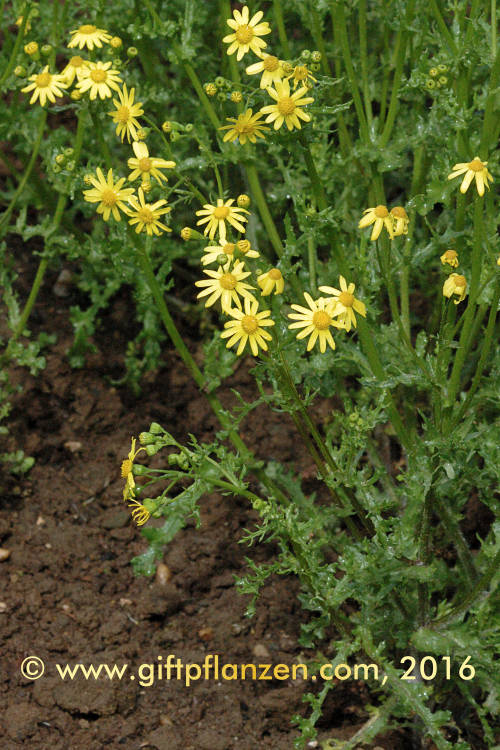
(395, 221)
(287, 108)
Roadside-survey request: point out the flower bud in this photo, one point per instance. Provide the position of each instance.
(222, 259)
(188, 127)
(156, 429)
(146, 438)
(46, 50)
(142, 134)
(166, 126)
(76, 95)
(186, 233)
(132, 52)
(31, 48)
(152, 450)
(236, 97)
(220, 81)
(305, 54)
(210, 89)
(70, 166)
(19, 71)
(433, 72)
(56, 168)
(243, 200)
(115, 42)
(60, 159)
(315, 56)
(178, 459)
(87, 179)
(221, 96)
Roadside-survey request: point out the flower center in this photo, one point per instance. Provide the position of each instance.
(221, 212)
(87, 29)
(476, 165)
(275, 274)
(126, 467)
(145, 164)
(145, 215)
(300, 73)
(43, 80)
(381, 212)
(286, 105)
(228, 248)
(399, 212)
(108, 197)
(321, 320)
(451, 254)
(249, 323)
(460, 281)
(346, 299)
(244, 34)
(77, 61)
(123, 114)
(243, 246)
(228, 281)
(98, 75)
(271, 63)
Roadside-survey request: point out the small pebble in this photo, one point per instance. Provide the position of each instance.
(3, 607)
(4, 554)
(163, 574)
(73, 446)
(206, 634)
(260, 651)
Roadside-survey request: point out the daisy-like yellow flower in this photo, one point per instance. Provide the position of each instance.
(45, 86)
(270, 67)
(473, 170)
(380, 218)
(288, 106)
(88, 36)
(450, 257)
(226, 284)
(140, 514)
(455, 284)
(273, 279)
(126, 113)
(400, 221)
(212, 252)
(345, 303)
(127, 466)
(246, 33)
(98, 80)
(147, 215)
(74, 69)
(248, 326)
(110, 195)
(316, 321)
(146, 166)
(300, 75)
(245, 126)
(215, 218)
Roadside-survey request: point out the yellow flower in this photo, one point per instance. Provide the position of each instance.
(245, 247)
(98, 79)
(31, 48)
(215, 218)
(212, 252)
(450, 257)
(74, 68)
(115, 42)
(126, 113)
(474, 170)
(246, 125)
(379, 217)
(128, 465)
(400, 221)
(301, 74)
(140, 514)
(109, 194)
(226, 284)
(345, 303)
(316, 321)
(287, 108)
(88, 36)
(248, 326)
(147, 215)
(146, 166)
(246, 33)
(273, 279)
(46, 86)
(455, 284)
(270, 67)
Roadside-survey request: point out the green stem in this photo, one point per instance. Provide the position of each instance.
(490, 121)
(17, 44)
(338, 13)
(401, 43)
(4, 220)
(455, 536)
(364, 59)
(318, 38)
(485, 350)
(191, 73)
(450, 42)
(265, 214)
(464, 342)
(317, 185)
(405, 273)
(312, 259)
(493, 28)
(278, 17)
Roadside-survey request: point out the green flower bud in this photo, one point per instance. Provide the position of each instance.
(305, 54)
(442, 80)
(46, 50)
(220, 82)
(132, 52)
(433, 72)
(145, 438)
(156, 429)
(70, 166)
(222, 259)
(189, 127)
(221, 96)
(178, 459)
(152, 450)
(442, 68)
(56, 168)
(19, 71)
(315, 56)
(60, 159)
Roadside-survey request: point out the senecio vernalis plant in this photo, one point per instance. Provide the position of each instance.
(367, 274)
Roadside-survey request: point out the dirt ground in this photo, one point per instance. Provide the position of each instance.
(69, 594)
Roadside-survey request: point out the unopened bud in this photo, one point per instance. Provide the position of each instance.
(210, 89)
(146, 438)
(236, 97)
(167, 126)
(31, 48)
(186, 233)
(115, 42)
(132, 52)
(46, 50)
(315, 56)
(243, 200)
(60, 159)
(19, 71)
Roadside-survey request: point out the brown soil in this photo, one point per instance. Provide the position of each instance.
(70, 594)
